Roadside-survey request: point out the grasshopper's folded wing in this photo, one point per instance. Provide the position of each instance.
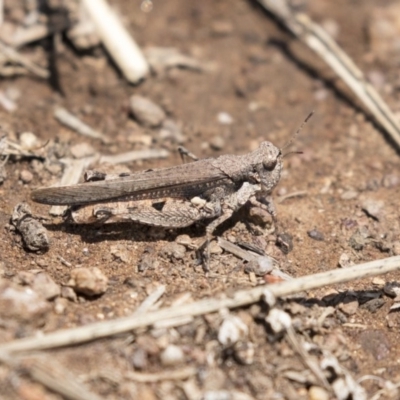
(180, 181)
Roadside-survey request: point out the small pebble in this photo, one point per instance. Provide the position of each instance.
(392, 289)
(359, 238)
(285, 242)
(174, 250)
(349, 306)
(221, 27)
(45, 286)
(316, 235)
(28, 140)
(184, 240)
(121, 254)
(260, 266)
(60, 305)
(217, 143)
(391, 180)
(82, 150)
(215, 248)
(244, 352)
(318, 393)
(69, 294)
(378, 282)
(172, 131)
(22, 303)
(349, 195)
(372, 207)
(278, 320)
(172, 355)
(232, 330)
(376, 342)
(26, 176)
(214, 379)
(146, 112)
(331, 27)
(345, 261)
(224, 118)
(139, 358)
(373, 305)
(89, 281)
(260, 217)
(396, 248)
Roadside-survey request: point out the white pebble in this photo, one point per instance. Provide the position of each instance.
(224, 118)
(172, 355)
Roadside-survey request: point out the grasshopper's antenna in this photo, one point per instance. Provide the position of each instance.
(291, 140)
(292, 152)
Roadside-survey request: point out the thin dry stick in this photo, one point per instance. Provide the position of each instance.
(306, 358)
(52, 375)
(310, 33)
(201, 307)
(74, 123)
(14, 56)
(249, 256)
(175, 375)
(150, 300)
(298, 193)
(117, 40)
(29, 34)
(72, 172)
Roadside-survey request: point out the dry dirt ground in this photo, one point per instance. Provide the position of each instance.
(338, 201)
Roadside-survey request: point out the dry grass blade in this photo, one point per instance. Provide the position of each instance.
(249, 256)
(175, 375)
(13, 56)
(306, 358)
(51, 375)
(201, 307)
(72, 173)
(74, 123)
(321, 43)
(117, 40)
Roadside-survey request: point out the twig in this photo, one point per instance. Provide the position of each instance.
(163, 58)
(72, 173)
(29, 34)
(150, 300)
(117, 40)
(176, 375)
(14, 56)
(74, 123)
(299, 193)
(173, 322)
(239, 252)
(249, 256)
(52, 375)
(310, 33)
(305, 357)
(201, 307)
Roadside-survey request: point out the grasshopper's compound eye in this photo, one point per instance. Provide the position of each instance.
(269, 164)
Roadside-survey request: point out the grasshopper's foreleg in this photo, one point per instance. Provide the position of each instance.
(229, 205)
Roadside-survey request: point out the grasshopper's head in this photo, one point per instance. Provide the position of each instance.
(269, 160)
(270, 167)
